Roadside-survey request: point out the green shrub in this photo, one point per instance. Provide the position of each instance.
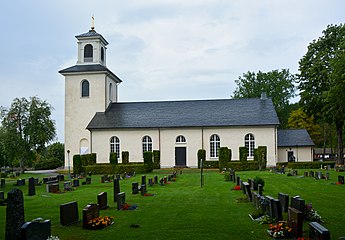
(148, 161)
(201, 157)
(113, 158)
(262, 157)
(256, 154)
(243, 166)
(3, 175)
(156, 159)
(243, 154)
(224, 156)
(137, 168)
(230, 155)
(211, 164)
(100, 169)
(305, 165)
(125, 157)
(77, 166)
(48, 163)
(259, 180)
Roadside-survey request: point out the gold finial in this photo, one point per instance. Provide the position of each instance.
(93, 23)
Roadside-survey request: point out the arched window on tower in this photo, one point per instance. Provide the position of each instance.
(85, 88)
(214, 145)
(88, 53)
(102, 54)
(249, 143)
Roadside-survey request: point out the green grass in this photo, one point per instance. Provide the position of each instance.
(182, 209)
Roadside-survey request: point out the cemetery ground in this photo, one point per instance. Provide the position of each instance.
(182, 209)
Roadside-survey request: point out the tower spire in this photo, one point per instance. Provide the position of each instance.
(93, 22)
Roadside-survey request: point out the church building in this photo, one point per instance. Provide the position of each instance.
(97, 122)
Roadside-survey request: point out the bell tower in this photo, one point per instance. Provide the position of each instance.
(89, 88)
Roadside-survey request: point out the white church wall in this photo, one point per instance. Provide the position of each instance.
(301, 154)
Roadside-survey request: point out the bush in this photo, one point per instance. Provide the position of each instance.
(113, 158)
(305, 165)
(107, 168)
(125, 157)
(201, 157)
(88, 159)
(3, 175)
(100, 169)
(156, 159)
(243, 166)
(256, 154)
(148, 161)
(77, 166)
(49, 163)
(259, 180)
(262, 157)
(243, 154)
(211, 164)
(224, 157)
(137, 168)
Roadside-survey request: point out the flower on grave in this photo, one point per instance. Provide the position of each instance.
(53, 238)
(279, 230)
(100, 222)
(311, 214)
(237, 187)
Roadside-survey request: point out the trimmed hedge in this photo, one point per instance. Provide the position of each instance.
(77, 166)
(243, 166)
(201, 157)
(125, 157)
(256, 156)
(88, 159)
(262, 157)
(243, 154)
(113, 158)
(156, 159)
(107, 168)
(224, 157)
(305, 165)
(148, 161)
(211, 164)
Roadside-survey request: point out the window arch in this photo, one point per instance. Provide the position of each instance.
(214, 145)
(88, 53)
(249, 143)
(85, 88)
(102, 54)
(115, 145)
(180, 139)
(147, 144)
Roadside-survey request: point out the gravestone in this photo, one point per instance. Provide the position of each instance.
(318, 232)
(103, 178)
(61, 177)
(143, 179)
(341, 179)
(45, 179)
(311, 174)
(121, 200)
(90, 212)
(250, 181)
(248, 191)
(318, 175)
(69, 213)
(274, 209)
(32, 190)
(88, 180)
(143, 189)
(75, 182)
(155, 179)
(284, 201)
(169, 178)
(36, 181)
(256, 201)
(295, 221)
(327, 176)
(238, 181)
(260, 189)
(165, 180)
(150, 182)
(161, 182)
(67, 186)
(102, 200)
(20, 182)
(2, 196)
(254, 185)
(14, 214)
(242, 187)
(36, 230)
(116, 188)
(135, 188)
(3, 183)
(306, 174)
(53, 187)
(298, 203)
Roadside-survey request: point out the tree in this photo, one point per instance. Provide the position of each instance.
(321, 81)
(28, 127)
(299, 119)
(279, 85)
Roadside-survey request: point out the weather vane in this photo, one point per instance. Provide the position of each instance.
(93, 23)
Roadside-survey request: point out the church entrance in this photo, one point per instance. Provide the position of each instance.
(180, 156)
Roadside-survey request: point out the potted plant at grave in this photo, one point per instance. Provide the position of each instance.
(279, 230)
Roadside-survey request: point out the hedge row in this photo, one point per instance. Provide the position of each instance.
(305, 165)
(211, 164)
(111, 169)
(243, 165)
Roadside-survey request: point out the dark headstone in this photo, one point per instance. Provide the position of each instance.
(255, 200)
(150, 182)
(260, 189)
(318, 175)
(254, 185)
(45, 179)
(143, 189)
(20, 182)
(169, 178)
(341, 179)
(69, 213)
(121, 200)
(165, 180)
(311, 174)
(298, 203)
(135, 188)
(67, 186)
(250, 182)
(295, 220)
(90, 212)
(263, 203)
(284, 201)
(2, 195)
(75, 182)
(274, 208)
(143, 179)
(36, 230)
(36, 182)
(242, 187)
(102, 200)
(61, 177)
(88, 180)
(327, 176)
(32, 190)
(155, 179)
(161, 182)
(238, 181)
(306, 174)
(318, 232)
(14, 214)
(248, 190)
(116, 188)
(3, 183)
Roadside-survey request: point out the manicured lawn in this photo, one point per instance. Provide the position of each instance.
(182, 209)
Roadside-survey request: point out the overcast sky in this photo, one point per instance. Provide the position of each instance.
(161, 49)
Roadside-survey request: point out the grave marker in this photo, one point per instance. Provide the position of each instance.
(69, 213)
(284, 201)
(32, 190)
(155, 179)
(75, 182)
(2, 196)
(260, 189)
(14, 214)
(90, 212)
(121, 200)
(318, 232)
(248, 191)
(311, 174)
(295, 220)
(298, 203)
(143, 189)
(135, 188)
(67, 186)
(36, 230)
(88, 180)
(102, 200)
(143, 179)
(341, 179)
(116, 188)
(274, 209)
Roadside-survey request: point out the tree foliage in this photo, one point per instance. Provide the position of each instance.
(279, 85)
(321, 80)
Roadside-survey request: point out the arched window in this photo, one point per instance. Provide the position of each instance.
(102, 54)
(180, 139)
(88, 53)
(85, 88)
(110, 92)
(214, 145)
(147, 144)
(115, 145)
(249, 143)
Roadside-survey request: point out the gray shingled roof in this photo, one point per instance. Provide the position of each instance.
(192, 113)
(88, 68)
(294, 137)
(91, 34)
